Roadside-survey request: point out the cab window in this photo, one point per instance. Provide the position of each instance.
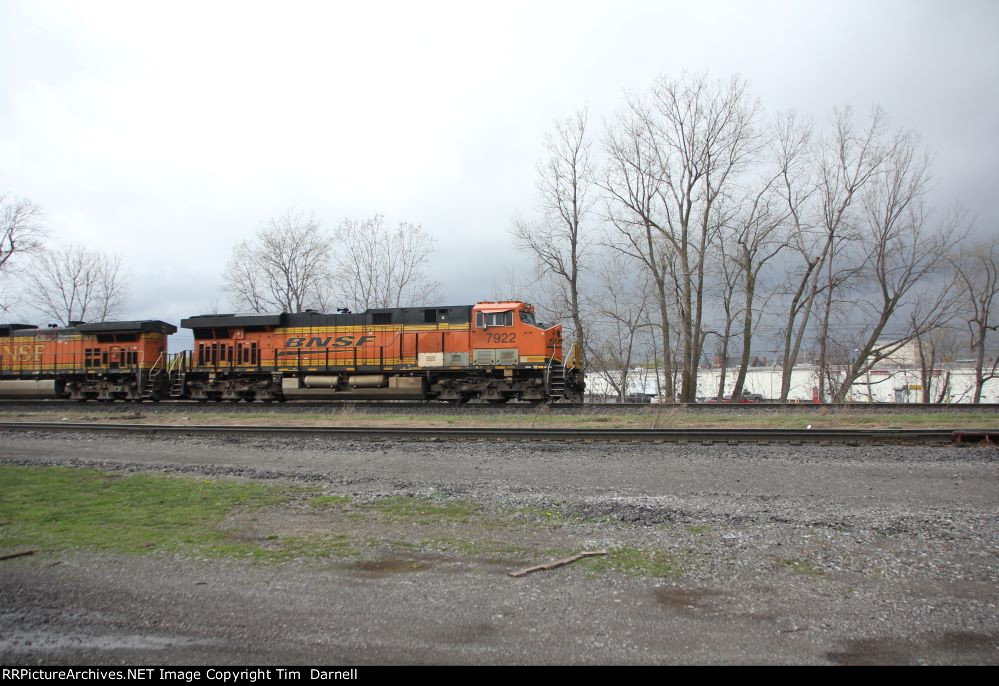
(527, 317)
(486, 319)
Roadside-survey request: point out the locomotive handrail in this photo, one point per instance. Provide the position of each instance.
(160, 359)
(177, 361)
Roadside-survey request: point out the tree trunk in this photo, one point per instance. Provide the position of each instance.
(747, 336)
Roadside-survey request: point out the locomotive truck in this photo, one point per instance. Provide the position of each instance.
(494, 351)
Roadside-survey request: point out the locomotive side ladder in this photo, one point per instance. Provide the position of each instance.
(555, 375)
(150, 383)
(556, 379)
(177, 373)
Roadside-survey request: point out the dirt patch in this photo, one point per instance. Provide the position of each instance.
(687, 599)
(387, 566)
(956, 646)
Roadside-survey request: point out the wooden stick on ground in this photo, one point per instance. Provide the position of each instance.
(13, 555)
(557, 563)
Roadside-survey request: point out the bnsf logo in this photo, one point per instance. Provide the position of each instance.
(328, 342)
(21, 353)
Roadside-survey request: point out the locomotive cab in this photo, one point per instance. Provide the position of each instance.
(507, 334)
(523, 357)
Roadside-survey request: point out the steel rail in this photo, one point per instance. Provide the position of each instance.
(520, 408)
(711, 436)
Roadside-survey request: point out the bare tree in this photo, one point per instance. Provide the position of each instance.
(286, 267)
(634, 189)
(617, 314)
(761, 225)
(905, 249)
(847, 162)
(21, 234)
(689, 139)
(977, 271)
(727, 275)
(381, 267)
(76, 284)
(21, 231)
(934, 349)
(801, 282)
(559, 240)
(821, 185)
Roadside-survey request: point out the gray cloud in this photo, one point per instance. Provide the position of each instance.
(168, 133)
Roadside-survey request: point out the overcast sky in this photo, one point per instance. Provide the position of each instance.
(168, 132)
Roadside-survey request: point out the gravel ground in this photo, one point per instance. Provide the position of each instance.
(777, 554)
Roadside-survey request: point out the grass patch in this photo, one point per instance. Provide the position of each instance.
(330, 501)
(61, 508)
(699, 529)
(420, 510)
(656, 564)
(537, 514)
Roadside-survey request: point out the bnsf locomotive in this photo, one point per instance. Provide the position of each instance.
(493, 351)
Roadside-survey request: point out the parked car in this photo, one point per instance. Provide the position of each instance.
(639, 397)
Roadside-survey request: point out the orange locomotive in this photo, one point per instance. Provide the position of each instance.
(494, 351)
(105, 361)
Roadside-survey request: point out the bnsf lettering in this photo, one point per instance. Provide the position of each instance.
(22, 353)
(316, 342)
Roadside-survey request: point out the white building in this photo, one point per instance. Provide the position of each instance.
(882, 385)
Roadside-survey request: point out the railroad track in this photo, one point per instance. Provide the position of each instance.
(302, 406)
(938, 437)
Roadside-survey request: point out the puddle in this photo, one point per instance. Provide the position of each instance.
(685, 599)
